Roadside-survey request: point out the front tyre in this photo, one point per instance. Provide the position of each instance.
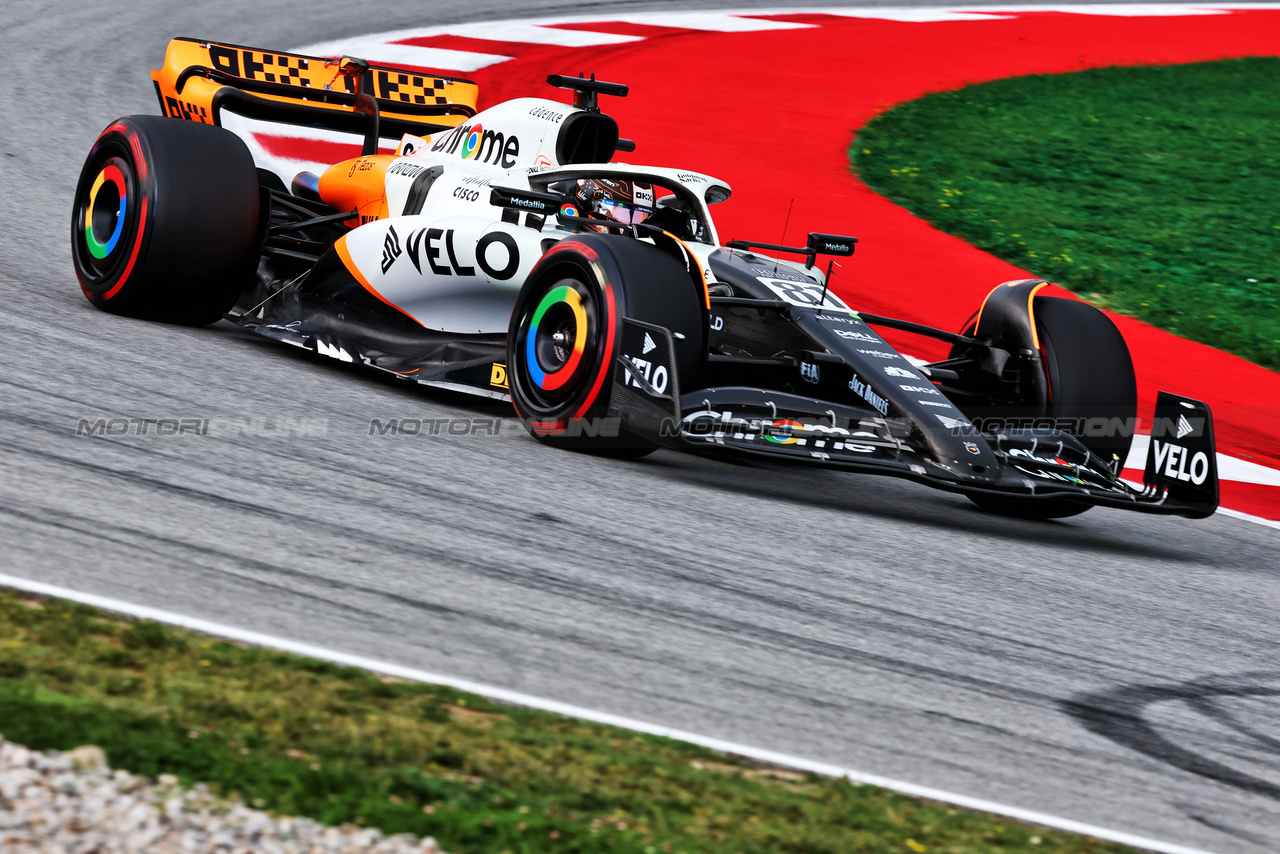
(1091, 383)
(165, 220)
(565, 336)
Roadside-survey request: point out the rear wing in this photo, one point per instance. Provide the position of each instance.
(200, 79)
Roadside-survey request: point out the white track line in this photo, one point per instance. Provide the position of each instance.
(387, 52)
(516, 698)
(754, 20)
(1229, 468)
(711, 22)
(527, 33)
(1236, 514)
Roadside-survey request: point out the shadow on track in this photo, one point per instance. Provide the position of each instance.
(884, 498)
(1124, 715)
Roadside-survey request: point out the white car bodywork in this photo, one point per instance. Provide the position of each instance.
(458, 263)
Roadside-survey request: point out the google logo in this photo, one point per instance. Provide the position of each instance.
(785, 438)
(551, 380)
(471, 144)
(113, 180)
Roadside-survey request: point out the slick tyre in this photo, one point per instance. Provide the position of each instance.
(1091, 381)
(565, 336)
(165, 220)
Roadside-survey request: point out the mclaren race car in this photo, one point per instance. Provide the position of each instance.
(505, 253)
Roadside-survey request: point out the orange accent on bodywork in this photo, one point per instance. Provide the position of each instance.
(1031, 314)
(340, 246)
(977, 321)
(697, 265)
(1035, 336)
(359, 184)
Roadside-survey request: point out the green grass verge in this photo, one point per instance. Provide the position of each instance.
(1152, 191)
(305, 737)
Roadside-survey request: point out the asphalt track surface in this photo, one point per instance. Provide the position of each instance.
(1114, 669)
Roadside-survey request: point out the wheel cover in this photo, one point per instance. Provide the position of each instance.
(106, 219)
(100, 210)
(558, 344)
(551, 361)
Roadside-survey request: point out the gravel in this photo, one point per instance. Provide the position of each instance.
(73, 803)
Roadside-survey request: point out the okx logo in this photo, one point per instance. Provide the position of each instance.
(473, 142)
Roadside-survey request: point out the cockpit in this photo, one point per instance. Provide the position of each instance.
(676, 203)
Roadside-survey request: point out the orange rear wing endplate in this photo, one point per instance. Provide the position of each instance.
(200, 79)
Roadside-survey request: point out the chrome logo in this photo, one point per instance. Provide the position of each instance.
(471, 144)
(567, 209)
(550, 381)
(783, 427)
(112, 176)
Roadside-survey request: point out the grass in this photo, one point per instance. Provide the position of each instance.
(305, 737)
(1152, 191)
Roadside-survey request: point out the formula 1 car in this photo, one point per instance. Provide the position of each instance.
(503, 253)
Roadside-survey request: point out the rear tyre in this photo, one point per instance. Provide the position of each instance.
(165, 220)
(1091, 380)
(566, 329)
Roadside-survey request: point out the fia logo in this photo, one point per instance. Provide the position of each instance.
(809, 372)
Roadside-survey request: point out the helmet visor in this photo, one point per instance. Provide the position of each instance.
(625, 213)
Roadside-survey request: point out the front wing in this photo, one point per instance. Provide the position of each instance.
(1031, 464)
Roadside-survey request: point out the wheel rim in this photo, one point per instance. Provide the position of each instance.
(106, 219)
(558, 343)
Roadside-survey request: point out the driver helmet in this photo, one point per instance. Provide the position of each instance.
(624, 201)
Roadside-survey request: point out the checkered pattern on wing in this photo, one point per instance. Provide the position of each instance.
(411, 88)
(289, 69)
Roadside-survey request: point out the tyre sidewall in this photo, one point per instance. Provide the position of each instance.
(589, 396)
(193, 230)
(1090, 373)
(633, 279)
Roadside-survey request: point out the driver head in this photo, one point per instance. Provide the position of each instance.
(620, 200)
